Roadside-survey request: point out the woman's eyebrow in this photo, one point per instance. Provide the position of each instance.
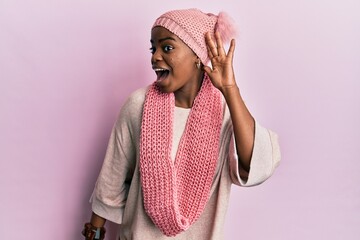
(163, 39)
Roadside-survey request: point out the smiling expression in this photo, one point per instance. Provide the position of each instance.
(173, 62)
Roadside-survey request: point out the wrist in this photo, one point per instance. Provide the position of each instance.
(96, 220)
(229, 90)
(91, 232)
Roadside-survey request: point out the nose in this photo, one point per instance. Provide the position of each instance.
(156, 56)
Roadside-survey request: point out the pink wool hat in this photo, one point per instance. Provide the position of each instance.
(191, 25)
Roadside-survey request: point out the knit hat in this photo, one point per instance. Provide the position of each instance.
(191, 25)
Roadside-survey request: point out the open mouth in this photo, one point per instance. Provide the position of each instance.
(161, 73)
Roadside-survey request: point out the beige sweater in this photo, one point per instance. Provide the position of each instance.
(118, 195)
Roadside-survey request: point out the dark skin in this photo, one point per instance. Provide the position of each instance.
(170, 53)
(223, 78)
(184, 79)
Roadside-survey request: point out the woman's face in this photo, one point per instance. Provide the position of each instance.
(173, 61)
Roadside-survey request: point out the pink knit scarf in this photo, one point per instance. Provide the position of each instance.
(175, 194)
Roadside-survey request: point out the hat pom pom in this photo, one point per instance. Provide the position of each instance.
(226, 27)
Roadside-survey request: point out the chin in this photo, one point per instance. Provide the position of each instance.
(164, 89)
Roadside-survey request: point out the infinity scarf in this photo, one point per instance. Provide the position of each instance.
(175, 194)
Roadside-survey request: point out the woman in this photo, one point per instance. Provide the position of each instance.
(180, 143)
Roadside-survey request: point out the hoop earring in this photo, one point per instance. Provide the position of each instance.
(198, 64)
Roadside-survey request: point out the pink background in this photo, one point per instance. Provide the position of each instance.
(67, 66)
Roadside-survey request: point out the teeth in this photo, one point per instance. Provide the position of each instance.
(159, 69)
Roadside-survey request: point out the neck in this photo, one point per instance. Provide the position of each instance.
(185, 96)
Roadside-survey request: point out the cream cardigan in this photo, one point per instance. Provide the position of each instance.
(118, 195)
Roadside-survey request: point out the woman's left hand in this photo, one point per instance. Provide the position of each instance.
(222, 73)
(223, 78)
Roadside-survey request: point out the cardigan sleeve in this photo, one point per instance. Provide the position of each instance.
(265, 157)
(112, 186)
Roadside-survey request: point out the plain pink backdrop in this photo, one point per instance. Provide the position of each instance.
(66, 67)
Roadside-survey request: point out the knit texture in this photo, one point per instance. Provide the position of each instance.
(191, 25)
(175, 194)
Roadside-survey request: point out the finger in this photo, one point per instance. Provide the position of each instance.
(220, 45)
(210, 43)
(231, 49)
(209, 52)
(210, 73)
(207, 69)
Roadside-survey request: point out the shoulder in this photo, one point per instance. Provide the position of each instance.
(136, 99)
(134, 103)
(131, 110)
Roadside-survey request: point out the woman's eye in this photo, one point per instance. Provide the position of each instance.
(168, 48)
(152, 50)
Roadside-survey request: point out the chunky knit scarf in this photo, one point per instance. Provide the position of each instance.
(175, 194)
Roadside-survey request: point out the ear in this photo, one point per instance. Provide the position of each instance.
(198, 63)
